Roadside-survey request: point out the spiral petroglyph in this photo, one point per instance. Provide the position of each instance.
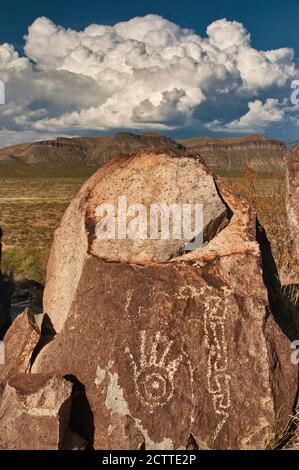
(154, 372)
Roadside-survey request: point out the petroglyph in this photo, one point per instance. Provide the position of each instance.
(154, 377)
(100, 376)
(215, 313)
(154, 374)
(218, 380)
(116, 403)
(129, 312)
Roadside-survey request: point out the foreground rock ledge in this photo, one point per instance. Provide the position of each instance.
(168, 351)
(34, 412)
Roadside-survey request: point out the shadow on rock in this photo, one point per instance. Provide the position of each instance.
(284, 311)
(81, 420)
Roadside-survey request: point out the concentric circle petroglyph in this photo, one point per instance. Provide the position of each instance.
(154, 372)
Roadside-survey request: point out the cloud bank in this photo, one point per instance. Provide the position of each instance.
(146, 73)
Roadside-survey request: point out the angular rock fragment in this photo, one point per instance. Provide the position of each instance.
(34, 412)
(19, 343)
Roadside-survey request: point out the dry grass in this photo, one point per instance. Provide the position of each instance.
(33, 202)
(30, 210)
(266, 193)
(285, 437)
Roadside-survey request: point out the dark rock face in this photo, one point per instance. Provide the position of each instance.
(292, 193)
(167, 350)
(184, 353)
(34, 412)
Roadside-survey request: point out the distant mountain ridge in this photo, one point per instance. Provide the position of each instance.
(258, 152)
(292, 143)
(87, 151)
(252, 141)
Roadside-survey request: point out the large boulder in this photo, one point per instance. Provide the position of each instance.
(34, 412)
(292, 193)
(145, 178)
(171, 346)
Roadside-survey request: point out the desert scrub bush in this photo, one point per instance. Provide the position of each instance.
(283, 438)
(25, 263)
(267, 195)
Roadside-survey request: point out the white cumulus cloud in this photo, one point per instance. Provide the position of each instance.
(260, 115)
(143, 73)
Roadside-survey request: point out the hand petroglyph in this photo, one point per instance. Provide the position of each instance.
(154, 372)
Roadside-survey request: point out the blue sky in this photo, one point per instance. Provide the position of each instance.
(272, 23)
(231, 87)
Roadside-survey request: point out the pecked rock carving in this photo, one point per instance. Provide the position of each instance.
(218, 378)
(153, 375)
